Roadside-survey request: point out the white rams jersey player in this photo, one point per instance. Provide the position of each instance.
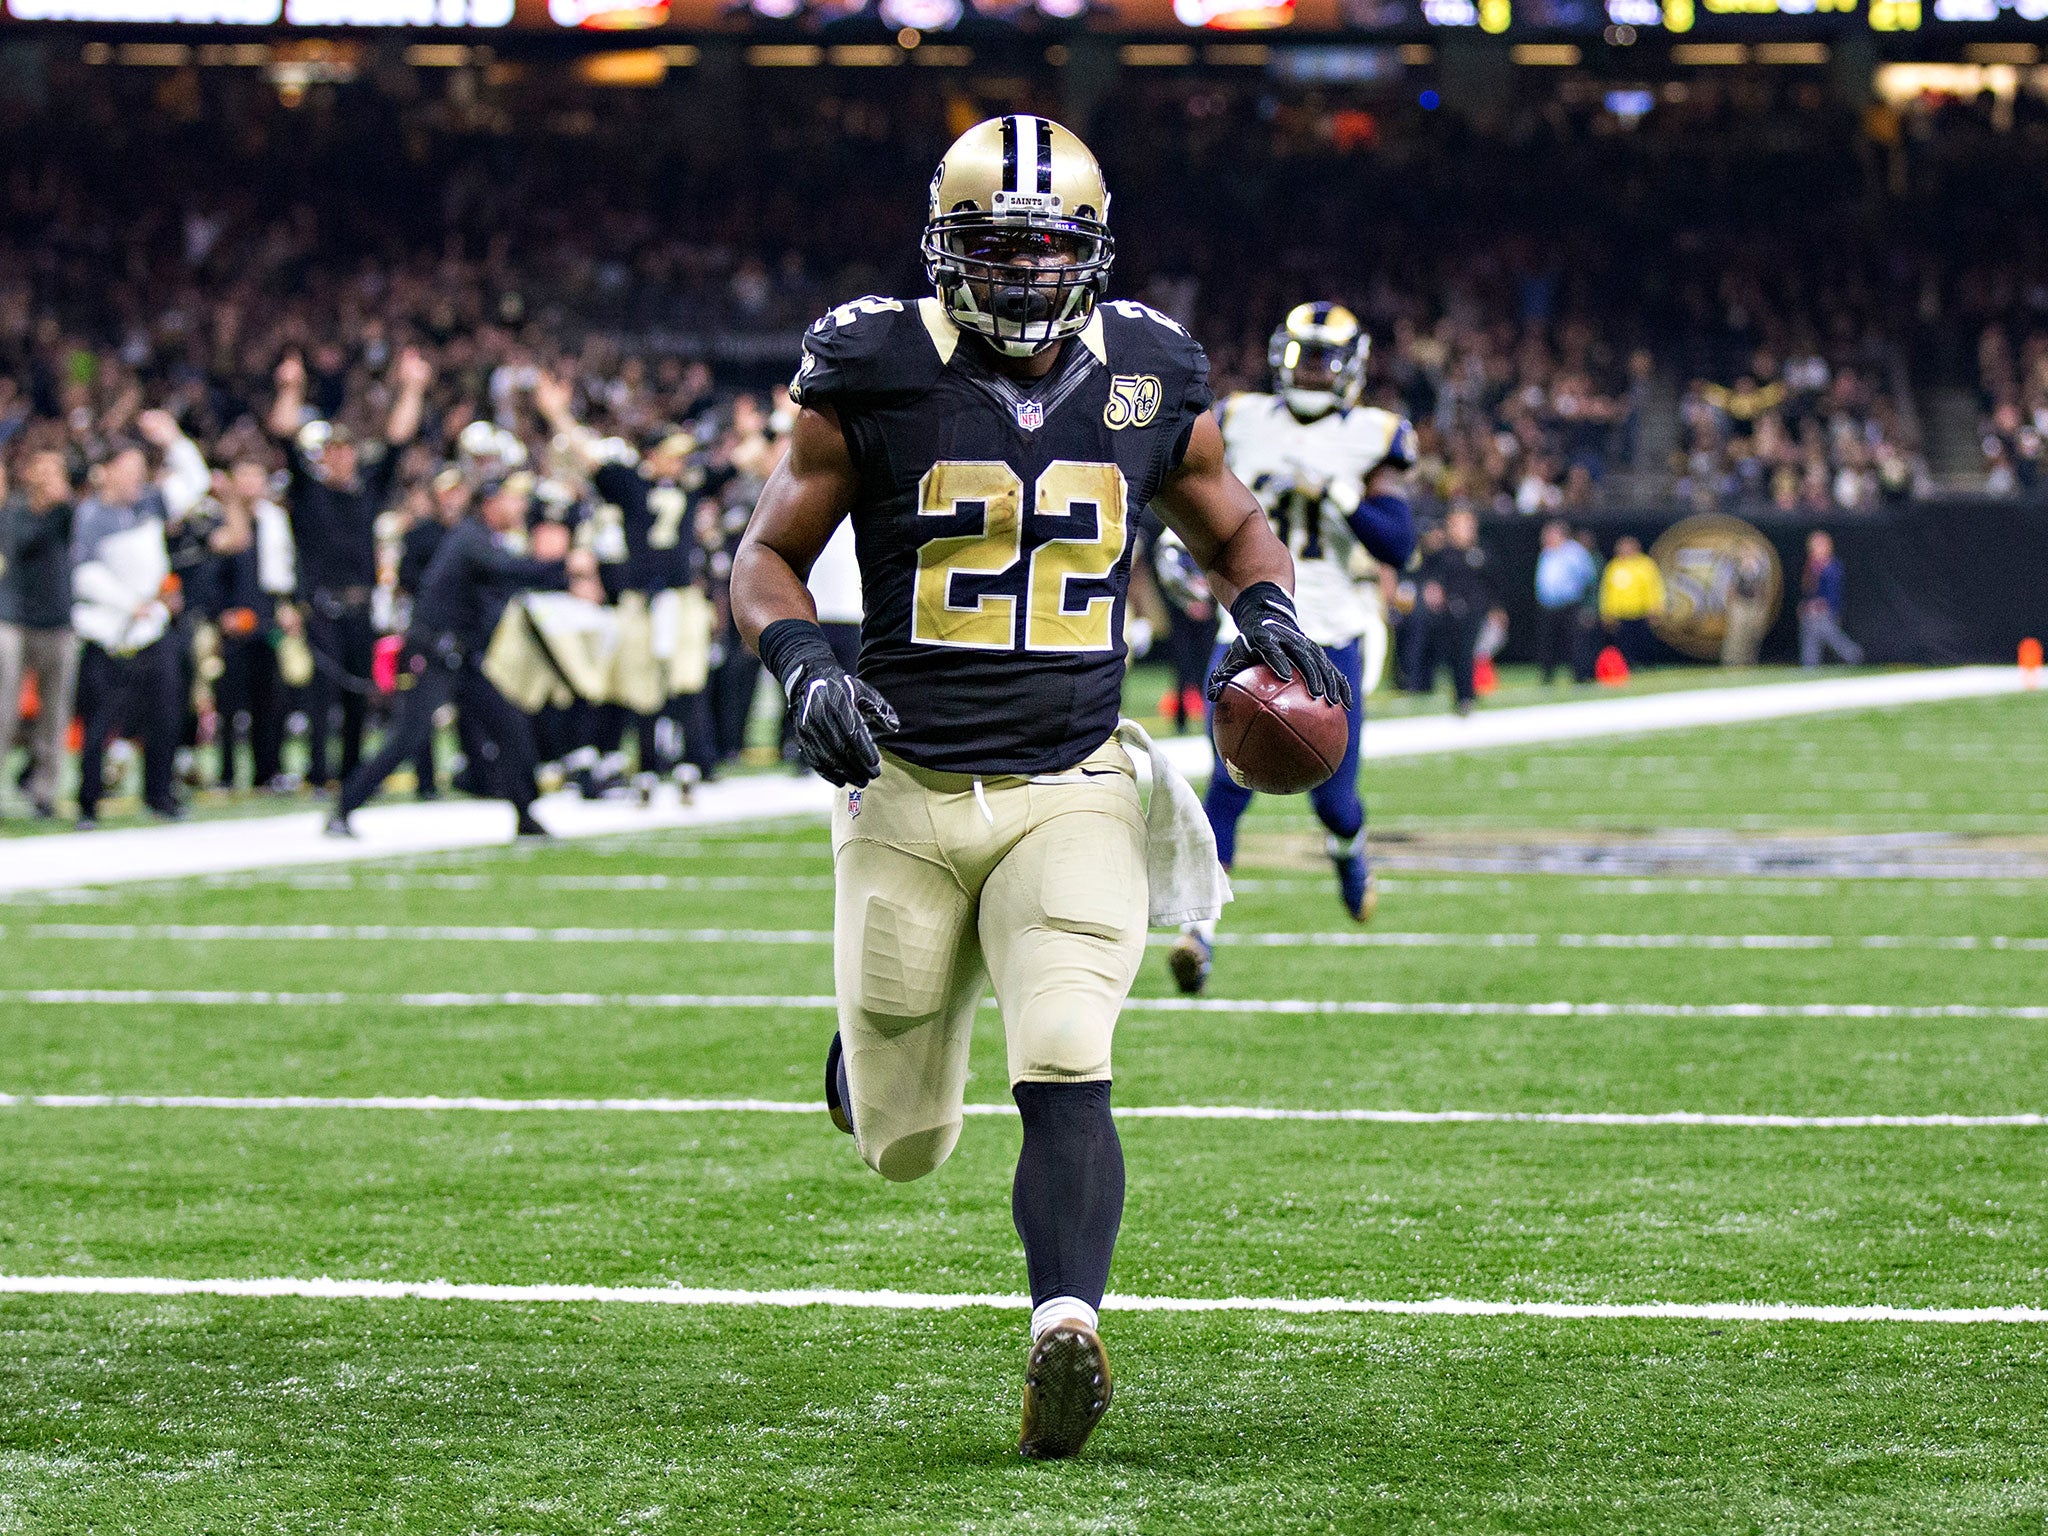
(1310, 476)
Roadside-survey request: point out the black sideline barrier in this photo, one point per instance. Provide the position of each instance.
(1930, 582)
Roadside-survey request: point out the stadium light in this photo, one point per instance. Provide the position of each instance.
(1710, 54)
(1791, 53)
(785, 55)
(623, 67)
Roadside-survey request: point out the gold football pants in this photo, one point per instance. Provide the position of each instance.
(1035, 884)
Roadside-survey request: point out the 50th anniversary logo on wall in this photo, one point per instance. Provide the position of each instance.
(1719, 574)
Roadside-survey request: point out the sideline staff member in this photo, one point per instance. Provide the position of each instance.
(337, 493)
(464, 590)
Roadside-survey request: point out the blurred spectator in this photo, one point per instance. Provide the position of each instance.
(1564, 575)
(1820, 605)
(1586, 640)
(253, 586)
(35, 617)
(1806, 438)
(1631, 591)
(1746, 609)
(123, 603)
(336, 495)
(1457, 596)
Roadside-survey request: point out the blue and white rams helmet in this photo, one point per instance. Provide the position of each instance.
(1318, 359)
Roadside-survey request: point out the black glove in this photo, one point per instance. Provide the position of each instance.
(836, 715)
(1269, 634)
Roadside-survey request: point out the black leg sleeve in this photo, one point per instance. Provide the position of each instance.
(432, 687)
(1068, 1200)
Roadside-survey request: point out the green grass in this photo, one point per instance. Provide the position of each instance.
(1143, 690)
(218, 1415)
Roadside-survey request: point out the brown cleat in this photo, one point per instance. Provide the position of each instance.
(1066, 1390)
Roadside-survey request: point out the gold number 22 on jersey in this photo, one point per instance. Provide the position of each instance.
(989, 622)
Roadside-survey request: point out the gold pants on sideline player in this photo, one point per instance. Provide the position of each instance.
(1035, 884)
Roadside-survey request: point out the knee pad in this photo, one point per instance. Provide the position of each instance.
(912, 1155)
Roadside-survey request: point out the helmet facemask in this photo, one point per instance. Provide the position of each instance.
(1317, 377)
(1023, 280)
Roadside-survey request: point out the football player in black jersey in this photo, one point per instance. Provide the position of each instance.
(994, 444)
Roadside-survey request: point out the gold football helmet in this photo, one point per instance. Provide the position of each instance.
(1017, 243)
(1318, 359)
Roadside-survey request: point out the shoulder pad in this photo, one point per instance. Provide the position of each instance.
(1137, 339)
(1135, 330)
(1402, 451)
(1390, 439)
(865, 346)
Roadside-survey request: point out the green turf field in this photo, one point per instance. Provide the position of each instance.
(1143, 690)
(452, 975)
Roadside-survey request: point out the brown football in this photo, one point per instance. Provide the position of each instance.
(1277, 738)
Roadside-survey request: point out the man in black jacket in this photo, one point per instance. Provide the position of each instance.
(461, 595)
(1457, 594)
(337, 493)
(252, 574)
(35, 615)
(450, 493)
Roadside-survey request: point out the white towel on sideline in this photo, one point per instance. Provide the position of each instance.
(1188, 884)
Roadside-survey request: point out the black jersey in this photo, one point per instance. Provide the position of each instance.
(655, 518)
(996, 520)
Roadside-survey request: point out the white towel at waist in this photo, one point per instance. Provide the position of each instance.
(1188, 885)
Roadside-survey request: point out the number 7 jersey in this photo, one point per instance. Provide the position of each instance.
(995, 520)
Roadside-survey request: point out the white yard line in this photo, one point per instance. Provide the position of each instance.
(439, 1104)
(1371, 1007)
(816, 936)
(942, 1301)
(209, 933)
(64, 860)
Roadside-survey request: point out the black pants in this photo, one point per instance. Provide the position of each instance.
(427, 781)
(692, 713)
(1414, 654)
(507, 761)
(1454, 636)
(1189, 643)
(1635, 640)
(343, 644)
(250, 702)
(732, 696)
(128, 696)
(1556, 635)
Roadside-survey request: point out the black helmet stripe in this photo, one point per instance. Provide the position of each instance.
(1044, 153)
(1009, 154)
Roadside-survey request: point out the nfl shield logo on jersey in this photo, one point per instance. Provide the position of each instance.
(853, 802)
(1030, 415)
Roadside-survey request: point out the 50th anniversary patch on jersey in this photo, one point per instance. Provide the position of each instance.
(1133, 401)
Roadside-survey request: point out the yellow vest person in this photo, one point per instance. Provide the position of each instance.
(1632, 587)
